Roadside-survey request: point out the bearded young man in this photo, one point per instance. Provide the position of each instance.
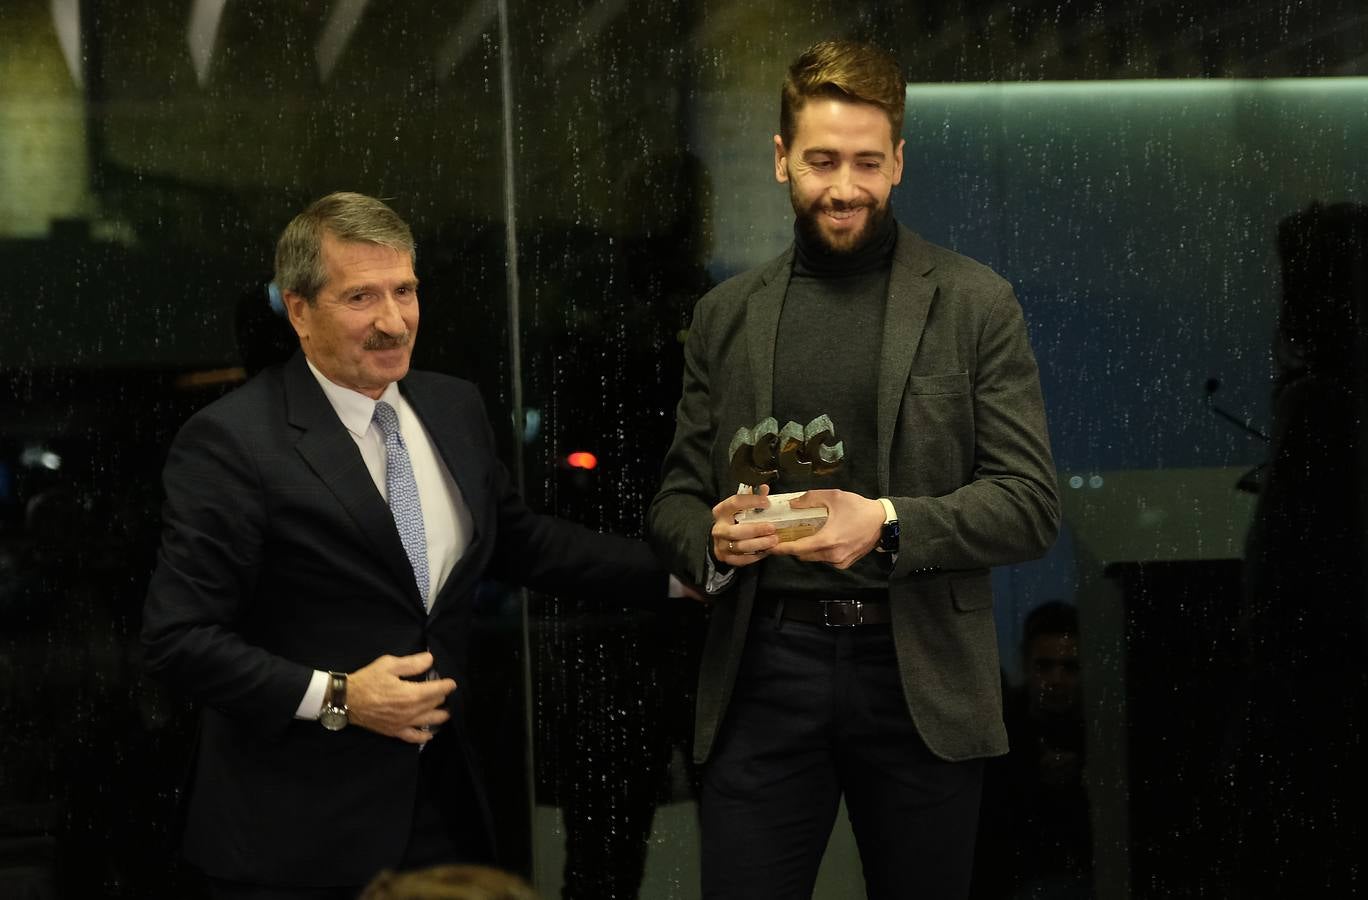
(859, 661)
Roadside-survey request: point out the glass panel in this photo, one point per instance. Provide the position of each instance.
(151, 154)
(614, 210)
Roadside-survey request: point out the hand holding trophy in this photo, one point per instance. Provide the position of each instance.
(761, 454)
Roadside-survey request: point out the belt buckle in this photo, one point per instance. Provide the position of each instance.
(826, 613)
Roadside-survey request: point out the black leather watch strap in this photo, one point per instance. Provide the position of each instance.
(890, 533)
(889, 537)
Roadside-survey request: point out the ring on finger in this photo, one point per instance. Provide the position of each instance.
(731, 546)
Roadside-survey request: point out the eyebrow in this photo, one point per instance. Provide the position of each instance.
(364, 286)
(825, 151)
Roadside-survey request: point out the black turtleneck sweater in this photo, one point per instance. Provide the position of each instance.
(826, 360)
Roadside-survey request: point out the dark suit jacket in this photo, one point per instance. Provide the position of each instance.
(962, 450)
(279, 557)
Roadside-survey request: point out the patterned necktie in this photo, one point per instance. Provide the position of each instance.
(402, 489)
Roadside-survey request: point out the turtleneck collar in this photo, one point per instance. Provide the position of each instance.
(812, 258)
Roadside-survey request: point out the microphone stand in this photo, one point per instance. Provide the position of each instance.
(1252, 481)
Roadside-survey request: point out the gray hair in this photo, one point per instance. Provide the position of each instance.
(347, 217)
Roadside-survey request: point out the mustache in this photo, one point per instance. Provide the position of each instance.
(378, 340)
(839, 206)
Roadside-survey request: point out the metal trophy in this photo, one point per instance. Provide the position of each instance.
(761, 454)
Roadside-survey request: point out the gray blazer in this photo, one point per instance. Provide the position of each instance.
(963, 452)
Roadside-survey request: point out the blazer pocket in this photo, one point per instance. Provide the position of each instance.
(974, 592)
(950, 383)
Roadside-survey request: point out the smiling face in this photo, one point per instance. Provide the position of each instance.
(1052, 674)
(840, 167)
(359, 330)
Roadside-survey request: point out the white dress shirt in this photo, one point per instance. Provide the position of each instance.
(446, 517)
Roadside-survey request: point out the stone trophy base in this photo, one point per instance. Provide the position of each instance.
(790, 524)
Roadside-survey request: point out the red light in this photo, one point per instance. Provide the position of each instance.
(582, 459)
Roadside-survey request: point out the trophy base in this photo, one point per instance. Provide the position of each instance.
(790, 524)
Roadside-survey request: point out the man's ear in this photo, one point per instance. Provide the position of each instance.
(898, 161)
(296, 307)
(780, 160)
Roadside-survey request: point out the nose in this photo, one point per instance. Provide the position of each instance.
(842, 188)
(388, 319)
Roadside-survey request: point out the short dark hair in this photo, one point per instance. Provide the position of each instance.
(1054, 617)
(347, 217)
(845, 70)
(1324, 252)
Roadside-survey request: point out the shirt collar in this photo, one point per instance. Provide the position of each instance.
(354, 408)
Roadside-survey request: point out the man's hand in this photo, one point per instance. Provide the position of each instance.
(379, 699)
(852, 529)
(740, 545)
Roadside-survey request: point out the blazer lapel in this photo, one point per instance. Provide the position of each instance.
(450, 433)
(762, 330)
(331, 453)
(909, 301)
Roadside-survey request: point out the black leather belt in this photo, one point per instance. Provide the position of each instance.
(833, 611)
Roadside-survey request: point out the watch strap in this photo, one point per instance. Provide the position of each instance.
(890, 533)
(333, 715)
(337, 691)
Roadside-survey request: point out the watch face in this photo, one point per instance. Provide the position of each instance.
(888, 539)
(333, 718)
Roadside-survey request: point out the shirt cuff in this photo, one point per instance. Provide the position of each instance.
(312, 704)
(716, 581)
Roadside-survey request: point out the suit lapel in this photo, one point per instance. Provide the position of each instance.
(450, 433)
(909, 301)
(328, 449)
(762, 330)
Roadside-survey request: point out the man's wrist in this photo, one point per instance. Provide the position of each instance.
(715, 579)
(890, 532)
(333, 715)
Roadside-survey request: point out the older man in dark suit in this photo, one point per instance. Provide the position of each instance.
(325, 529)
(860, 660)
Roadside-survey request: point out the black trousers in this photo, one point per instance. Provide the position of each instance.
(816, 713)
(447, 827)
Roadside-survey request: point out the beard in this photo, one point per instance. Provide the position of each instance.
(809, 222)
